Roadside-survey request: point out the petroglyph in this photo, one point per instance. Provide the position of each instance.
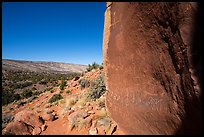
(147, 66)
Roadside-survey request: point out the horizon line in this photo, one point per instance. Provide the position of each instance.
(45, 61)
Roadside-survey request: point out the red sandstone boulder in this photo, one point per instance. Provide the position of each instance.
(26, 122)
(36, 131)
(88, 121)
(48, 117)
(93, 131)
(77, 114)
(16, 128)
(28, 117)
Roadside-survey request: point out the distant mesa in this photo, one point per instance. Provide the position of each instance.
(42, 66)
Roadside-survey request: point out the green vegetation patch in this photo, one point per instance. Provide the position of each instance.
(84, 83)
(55, 98)
(68, 92)
(27, 93)
(20, 81)
(97, 88)
(62, 85)
(9, 97)
(92, 66)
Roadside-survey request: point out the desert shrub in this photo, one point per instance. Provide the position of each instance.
(62, 85)
(19, 85)
(102, 113)
(12, 80)
(26, 84)
(97, 89)
(16, 86)
(72, 75)
(72, 101)
(36, 77)
(67, 103)
(48, 88)
(54, 83)
(43, 82)
(34, 88)
(9, 97)
(7, 118)
(101, 66)
(52, 91)
(62, 101)
(11, 109)
(27, 93)
(78, 122)
(17, 97)
(21, 103)
(104, 122)
(31, 99)
(68, 92)
(29, 108)
(84, 83)
(101, 102)
(36, 93)
(94, 65)
(55, 98)
(81, 102)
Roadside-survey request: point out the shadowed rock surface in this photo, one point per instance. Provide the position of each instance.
(152, 68)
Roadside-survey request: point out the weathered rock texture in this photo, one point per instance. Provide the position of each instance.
(26, 122)
(151, 76)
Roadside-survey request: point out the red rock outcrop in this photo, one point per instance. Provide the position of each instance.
(26, 122)
(152, 82)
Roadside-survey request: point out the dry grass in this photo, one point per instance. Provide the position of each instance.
(102, 113)
(82, 102)
(78, 123)
(101, 102)
(71, 101)
(68, 103)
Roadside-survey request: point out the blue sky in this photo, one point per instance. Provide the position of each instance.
(70, 32)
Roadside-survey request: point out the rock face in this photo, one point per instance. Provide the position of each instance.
(150, 69)
(26, 122)
(48, 117)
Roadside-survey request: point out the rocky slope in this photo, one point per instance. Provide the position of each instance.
(39, 66)
(152, 67)
(78, 108)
